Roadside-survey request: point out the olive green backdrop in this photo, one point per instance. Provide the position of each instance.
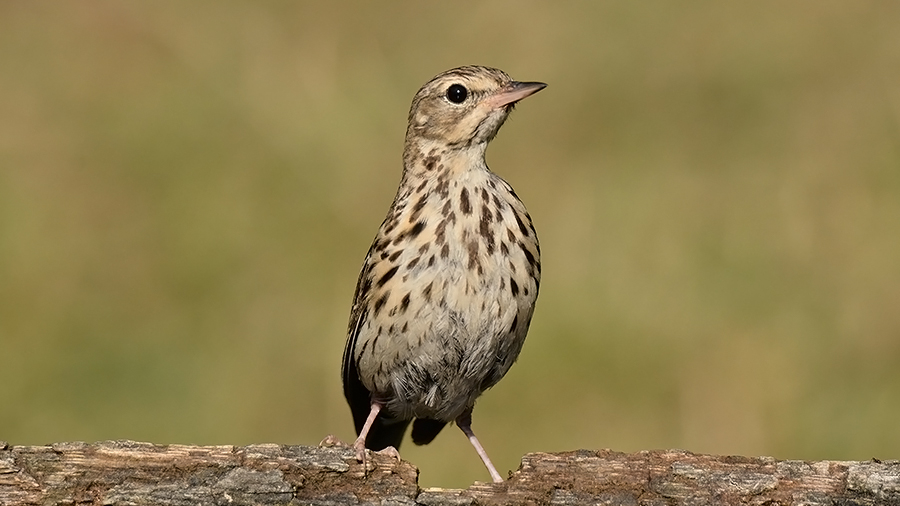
(187, 191)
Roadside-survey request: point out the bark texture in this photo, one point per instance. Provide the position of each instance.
(131, 473)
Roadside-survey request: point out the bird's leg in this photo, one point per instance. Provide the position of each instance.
(360, 444)
(464, 422)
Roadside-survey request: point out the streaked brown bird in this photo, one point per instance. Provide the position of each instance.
(447, 290)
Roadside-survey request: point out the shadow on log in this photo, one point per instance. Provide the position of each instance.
(131, 473)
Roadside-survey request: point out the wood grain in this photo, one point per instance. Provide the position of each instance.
(132, 473)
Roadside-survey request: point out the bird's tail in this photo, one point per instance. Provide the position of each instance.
(425, 430)
(386, 433)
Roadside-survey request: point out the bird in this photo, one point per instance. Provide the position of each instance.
(448, 287)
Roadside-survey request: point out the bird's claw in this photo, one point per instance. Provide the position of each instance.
(332, 441)
(390, 451)
(360, 452)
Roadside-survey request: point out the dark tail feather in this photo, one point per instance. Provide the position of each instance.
(386, 433)
(425, 430)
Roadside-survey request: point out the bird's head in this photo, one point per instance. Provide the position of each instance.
(465, 106)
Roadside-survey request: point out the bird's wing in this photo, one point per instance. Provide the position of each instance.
(358, 397)
(385, 431)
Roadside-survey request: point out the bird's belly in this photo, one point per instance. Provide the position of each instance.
(459, 335)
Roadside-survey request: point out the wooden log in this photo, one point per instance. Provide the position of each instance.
(132, 473)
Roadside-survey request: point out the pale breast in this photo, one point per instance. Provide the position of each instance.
(452, 280)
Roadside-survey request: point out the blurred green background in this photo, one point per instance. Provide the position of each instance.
(188, 189)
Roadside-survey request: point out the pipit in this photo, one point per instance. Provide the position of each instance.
(447, 290)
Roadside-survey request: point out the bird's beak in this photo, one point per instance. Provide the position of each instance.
(513, 92)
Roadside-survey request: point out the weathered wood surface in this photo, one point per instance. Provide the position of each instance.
(130, 473)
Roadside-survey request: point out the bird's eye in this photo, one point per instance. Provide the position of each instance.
(457, 93)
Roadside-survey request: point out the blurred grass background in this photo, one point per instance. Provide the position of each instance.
(188, 189)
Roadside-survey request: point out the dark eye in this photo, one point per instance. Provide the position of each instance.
(457, 93)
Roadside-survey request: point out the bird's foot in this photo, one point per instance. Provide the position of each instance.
(390, 451)
(360, 447)
(332, 441)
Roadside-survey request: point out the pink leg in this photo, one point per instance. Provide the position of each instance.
(464, 422)
(360, 444)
